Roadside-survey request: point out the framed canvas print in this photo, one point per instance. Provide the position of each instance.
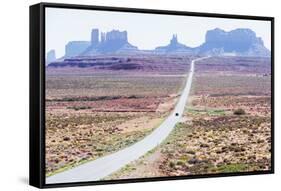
(126, 95)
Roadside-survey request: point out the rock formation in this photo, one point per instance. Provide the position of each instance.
(51, 56)
(111, 42)
(95, 37)
(241, 42)
(174, 47)
(75, 48)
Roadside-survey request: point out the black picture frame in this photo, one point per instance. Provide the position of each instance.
(37, 93)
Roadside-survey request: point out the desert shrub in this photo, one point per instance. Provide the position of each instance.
(239, 112)
(233, 168)
(76, 108)
(66, 138)
(172, 164)
(180, 162)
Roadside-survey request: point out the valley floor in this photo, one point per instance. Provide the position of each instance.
(226, 128)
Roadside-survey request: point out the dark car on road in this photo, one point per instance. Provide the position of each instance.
(177, 114)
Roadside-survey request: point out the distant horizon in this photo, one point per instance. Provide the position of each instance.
(66, 25)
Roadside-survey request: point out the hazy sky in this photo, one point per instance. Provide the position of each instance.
(146, 31)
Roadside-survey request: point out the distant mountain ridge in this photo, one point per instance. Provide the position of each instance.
(239, 42)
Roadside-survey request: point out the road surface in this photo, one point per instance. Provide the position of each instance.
(104, 166)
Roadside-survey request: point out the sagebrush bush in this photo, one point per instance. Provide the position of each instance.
(239, 112)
